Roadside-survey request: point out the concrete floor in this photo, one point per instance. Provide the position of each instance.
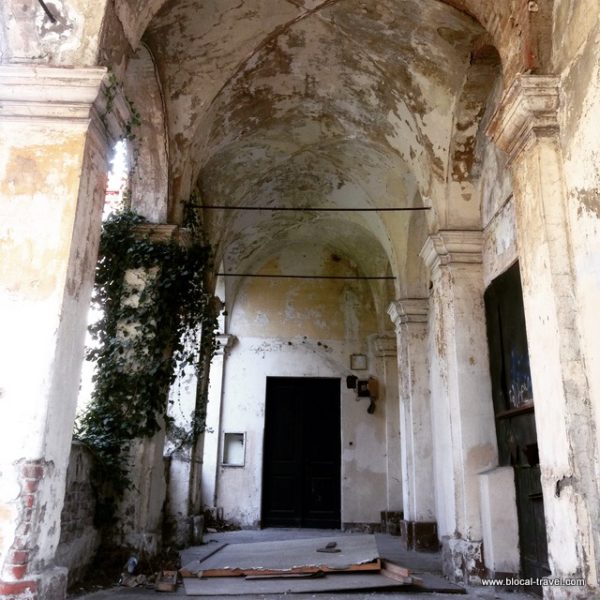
(388, 545)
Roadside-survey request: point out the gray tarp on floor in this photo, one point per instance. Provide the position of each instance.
(355, 550)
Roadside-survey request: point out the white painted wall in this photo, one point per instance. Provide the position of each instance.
(302, 328)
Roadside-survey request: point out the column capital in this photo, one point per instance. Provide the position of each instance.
(528, 109)
(383, 344)
(49, 94)
(452, 246)
(408, 310)
(163, 233)
(224, 342)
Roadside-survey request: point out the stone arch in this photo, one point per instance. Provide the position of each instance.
(463, 206)
(149, 178)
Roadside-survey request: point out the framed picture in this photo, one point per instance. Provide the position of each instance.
(358, 362)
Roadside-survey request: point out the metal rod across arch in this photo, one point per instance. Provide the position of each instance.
(309, 209)
(279, 276)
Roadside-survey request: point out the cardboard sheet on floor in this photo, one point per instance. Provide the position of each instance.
(357, 552)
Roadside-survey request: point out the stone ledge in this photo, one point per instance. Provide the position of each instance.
(49, 94)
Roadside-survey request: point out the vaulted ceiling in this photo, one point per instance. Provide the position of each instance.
(312, 104)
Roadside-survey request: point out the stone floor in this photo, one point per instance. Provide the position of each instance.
(388, 545)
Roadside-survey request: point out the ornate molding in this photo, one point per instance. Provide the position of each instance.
(451, 246)
(528, 110)
(408, 310)
(52, 95)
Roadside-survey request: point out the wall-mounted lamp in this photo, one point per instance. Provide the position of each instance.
(368, 388)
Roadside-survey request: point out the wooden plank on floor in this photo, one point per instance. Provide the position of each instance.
(374, 566)
(395, 568)
(191, 568)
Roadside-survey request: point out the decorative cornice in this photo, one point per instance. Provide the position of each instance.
(408, 310)
(49, 94)
(452, 246)
(529, 109)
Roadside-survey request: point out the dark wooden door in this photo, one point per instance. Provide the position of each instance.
(302, 453)
(514, 411)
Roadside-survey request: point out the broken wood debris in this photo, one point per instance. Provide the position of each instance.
(167, 581)
(234, 572)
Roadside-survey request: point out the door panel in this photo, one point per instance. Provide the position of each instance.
(514, 410)
(301, 475)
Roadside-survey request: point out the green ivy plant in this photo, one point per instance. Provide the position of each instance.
(157, 318)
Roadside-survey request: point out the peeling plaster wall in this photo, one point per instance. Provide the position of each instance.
(45, 281)
(302, 328)
(445, 501)
(577, 60)
(52, 175)
(30, 36)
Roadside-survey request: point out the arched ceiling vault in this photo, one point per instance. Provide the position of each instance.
(343, 104)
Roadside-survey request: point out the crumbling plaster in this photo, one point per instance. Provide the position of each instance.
(580, 141)
(263, 90)
(28, 35)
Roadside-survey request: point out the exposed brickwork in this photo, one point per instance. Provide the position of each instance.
(17, 560)
(518, 29)
(18, 590)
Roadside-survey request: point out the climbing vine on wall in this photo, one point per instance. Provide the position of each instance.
(157, 318)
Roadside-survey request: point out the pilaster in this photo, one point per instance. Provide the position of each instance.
(52, 183)
(463, 422)
(410, 317)
(526, 126)
(383, 348)
(213, 434)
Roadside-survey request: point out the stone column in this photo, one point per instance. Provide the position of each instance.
(212, 436)
(526, 126)
(419, 528)
(464, 430)
(141, 509)
(52, 183)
